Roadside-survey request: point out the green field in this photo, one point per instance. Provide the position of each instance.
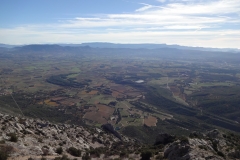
(175, 88)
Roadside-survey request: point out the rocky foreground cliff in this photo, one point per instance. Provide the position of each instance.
(27, 138)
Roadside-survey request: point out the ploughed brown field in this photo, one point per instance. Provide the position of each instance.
(150, 121)
(100, 114)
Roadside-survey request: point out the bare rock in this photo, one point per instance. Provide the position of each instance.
(191, 149)
(214, 134)
(177, 150)
(18, 126)
(234, 155)
(28, 131)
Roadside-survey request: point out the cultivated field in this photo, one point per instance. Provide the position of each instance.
(124, 87)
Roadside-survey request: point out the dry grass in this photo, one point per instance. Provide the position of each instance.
(119, 88)
(105, 111)
(57, 98)
(175, 90)
(95, 117)
(133, 94)
(97, 85)
(68, 102)
(100, 114)
(150, 121)
(93, 92)
(117, 94)
(50, 103)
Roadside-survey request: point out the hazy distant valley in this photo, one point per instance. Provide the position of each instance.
(140, 92)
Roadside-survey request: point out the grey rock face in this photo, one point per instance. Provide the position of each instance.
(214, 134)
(190, 151)
(36, 137)
(177, 150)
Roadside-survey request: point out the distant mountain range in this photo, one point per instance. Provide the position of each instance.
(149, 46)
(135, 46)
(8, 45)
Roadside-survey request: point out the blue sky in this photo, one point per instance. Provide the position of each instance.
(207, 23)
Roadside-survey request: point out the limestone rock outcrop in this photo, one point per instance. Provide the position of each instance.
(212, 145)
(36, 137)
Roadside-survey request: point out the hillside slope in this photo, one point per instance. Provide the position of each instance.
(25, 138)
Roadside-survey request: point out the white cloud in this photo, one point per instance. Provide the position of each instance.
(203, 8)
(162, 1)
(144, 8)
(185, 22)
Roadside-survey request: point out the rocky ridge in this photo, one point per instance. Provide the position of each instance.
(213, 145)
(27, 138)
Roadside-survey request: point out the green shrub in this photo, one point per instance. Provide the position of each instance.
(97, 151)
(215, 147)
(40, 140)
(159, 157)
(86, 157)
(13, 137)
(64, 157)
(74, 152)
(184, 139)
(59, 150)
(146, 155)
(5, 150)
(3, 155)
(123, 154)
(238, 147)
(46, 147)
(220, 154)
(202, 147)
